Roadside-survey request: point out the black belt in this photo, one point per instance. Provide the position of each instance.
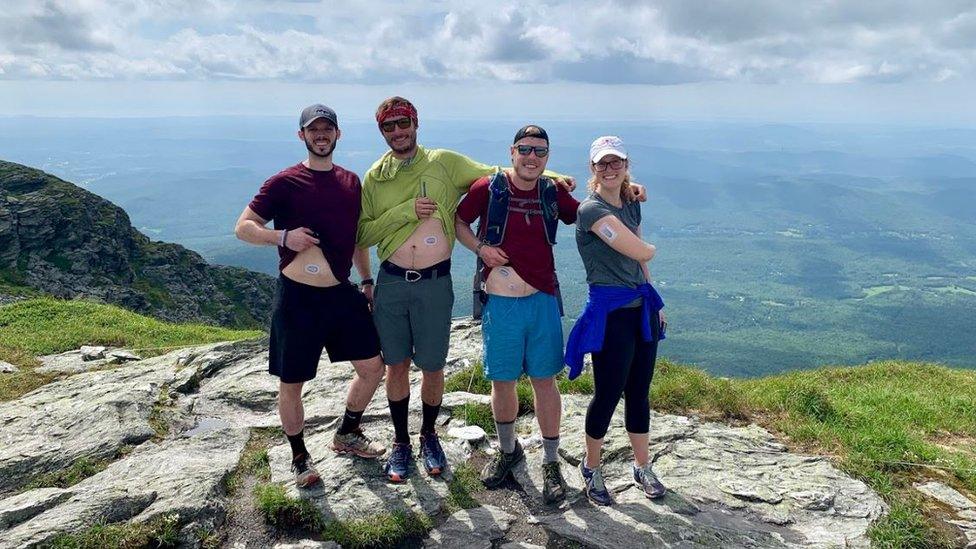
(413, 275)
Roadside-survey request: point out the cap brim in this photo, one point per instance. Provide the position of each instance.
(309, 123)
(599, 156)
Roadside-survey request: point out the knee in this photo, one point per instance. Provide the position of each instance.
(399, 371)
(372, 372)
(503, 388)
(545, 386)
(289, 392)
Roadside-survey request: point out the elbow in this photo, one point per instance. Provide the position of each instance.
(239, 231)
(649, 252)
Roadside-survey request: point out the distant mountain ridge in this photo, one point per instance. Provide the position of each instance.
(62, 240)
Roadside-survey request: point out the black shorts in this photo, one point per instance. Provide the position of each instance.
(307, 319)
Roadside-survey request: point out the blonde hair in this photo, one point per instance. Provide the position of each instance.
(624, 185)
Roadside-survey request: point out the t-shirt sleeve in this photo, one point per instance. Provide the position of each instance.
(265, 203)
(474, 203)
(589, 212)
(568, 205)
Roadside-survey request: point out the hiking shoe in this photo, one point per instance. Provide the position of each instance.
(596, 490)
(305, 473)
(552, 483)
(432, 455)
(398, 464)
(500, 466)
(357, 443)
(647, 481)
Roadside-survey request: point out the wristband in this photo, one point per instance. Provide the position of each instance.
(367, 282)
(480, 245)
(284, 238)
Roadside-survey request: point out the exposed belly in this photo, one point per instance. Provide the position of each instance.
(427, 246)
(506, 281)
(310, 267)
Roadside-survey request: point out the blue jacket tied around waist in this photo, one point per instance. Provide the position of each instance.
(587, 333)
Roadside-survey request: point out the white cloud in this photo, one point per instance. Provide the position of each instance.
(622, 41)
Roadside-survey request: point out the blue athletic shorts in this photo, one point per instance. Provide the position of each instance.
(522, 335)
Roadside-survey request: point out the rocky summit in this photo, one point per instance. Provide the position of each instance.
(171, 429)
(62, 240)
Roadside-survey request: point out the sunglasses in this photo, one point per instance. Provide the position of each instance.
(540, 152)
(615, 164)
(402, 123)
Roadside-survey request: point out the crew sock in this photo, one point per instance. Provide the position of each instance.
(430, 417)
(506, 436)
(297, 443)
(551, 448)
(350, 421)
(398, 413)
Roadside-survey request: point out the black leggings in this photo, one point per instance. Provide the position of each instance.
(625, 367)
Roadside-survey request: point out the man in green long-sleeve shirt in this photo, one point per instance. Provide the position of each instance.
(409, 199)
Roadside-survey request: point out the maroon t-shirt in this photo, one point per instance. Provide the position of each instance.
(525, 243)
(325, 202)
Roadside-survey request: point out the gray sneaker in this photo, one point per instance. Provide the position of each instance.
(500, 466)
(646, 480)
(305, 473)
(358, 444)
(552, 483)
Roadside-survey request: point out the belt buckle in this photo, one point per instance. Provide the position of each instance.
(412, 273)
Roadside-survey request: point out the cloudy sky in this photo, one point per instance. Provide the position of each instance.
(899, 61)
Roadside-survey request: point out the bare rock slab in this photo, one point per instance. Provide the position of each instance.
(182, 477)
(471, 529)
(89, 415)
(356, 488)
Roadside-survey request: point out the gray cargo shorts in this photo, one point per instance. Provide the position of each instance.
(414, 319)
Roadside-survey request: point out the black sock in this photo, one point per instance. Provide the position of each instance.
(297, 444)
(398, 413)
(430, 417)
(350, 421)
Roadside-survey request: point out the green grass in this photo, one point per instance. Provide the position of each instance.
(74, 473)
(889, 424)
(46, 325)
(466, 481)
(284, 511)
(158, 533)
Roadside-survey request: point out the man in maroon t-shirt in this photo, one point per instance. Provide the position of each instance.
(521, 322)
(315, 207)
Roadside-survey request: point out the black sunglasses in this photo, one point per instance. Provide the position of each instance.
(402, 123)
(540, 152)
(615, 164)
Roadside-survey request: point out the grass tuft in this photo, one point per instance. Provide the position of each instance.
(284, 511)
(159, 533)
(392, 530)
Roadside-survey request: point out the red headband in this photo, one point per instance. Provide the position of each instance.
(397, 110)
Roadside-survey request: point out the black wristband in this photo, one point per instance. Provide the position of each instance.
(367, 282)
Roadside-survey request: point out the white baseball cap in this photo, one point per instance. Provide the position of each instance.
(608, 144)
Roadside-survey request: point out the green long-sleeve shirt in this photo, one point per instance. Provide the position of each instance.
(391, 186)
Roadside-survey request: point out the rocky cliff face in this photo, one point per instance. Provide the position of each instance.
(65, 241)
(728, 486)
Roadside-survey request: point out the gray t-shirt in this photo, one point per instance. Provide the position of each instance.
(604, 265)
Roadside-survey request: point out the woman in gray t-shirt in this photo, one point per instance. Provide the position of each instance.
(615, 258)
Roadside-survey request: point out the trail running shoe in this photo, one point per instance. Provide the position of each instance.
(501, 466)
(596, 489)
(647, 481)
(357, 443)
(305, 473)
(398, 464)
(432, 455)
(552, 483)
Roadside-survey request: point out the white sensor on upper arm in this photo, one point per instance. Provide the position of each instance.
(607, 231)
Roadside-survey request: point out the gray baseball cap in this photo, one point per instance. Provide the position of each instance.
(312, 113)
